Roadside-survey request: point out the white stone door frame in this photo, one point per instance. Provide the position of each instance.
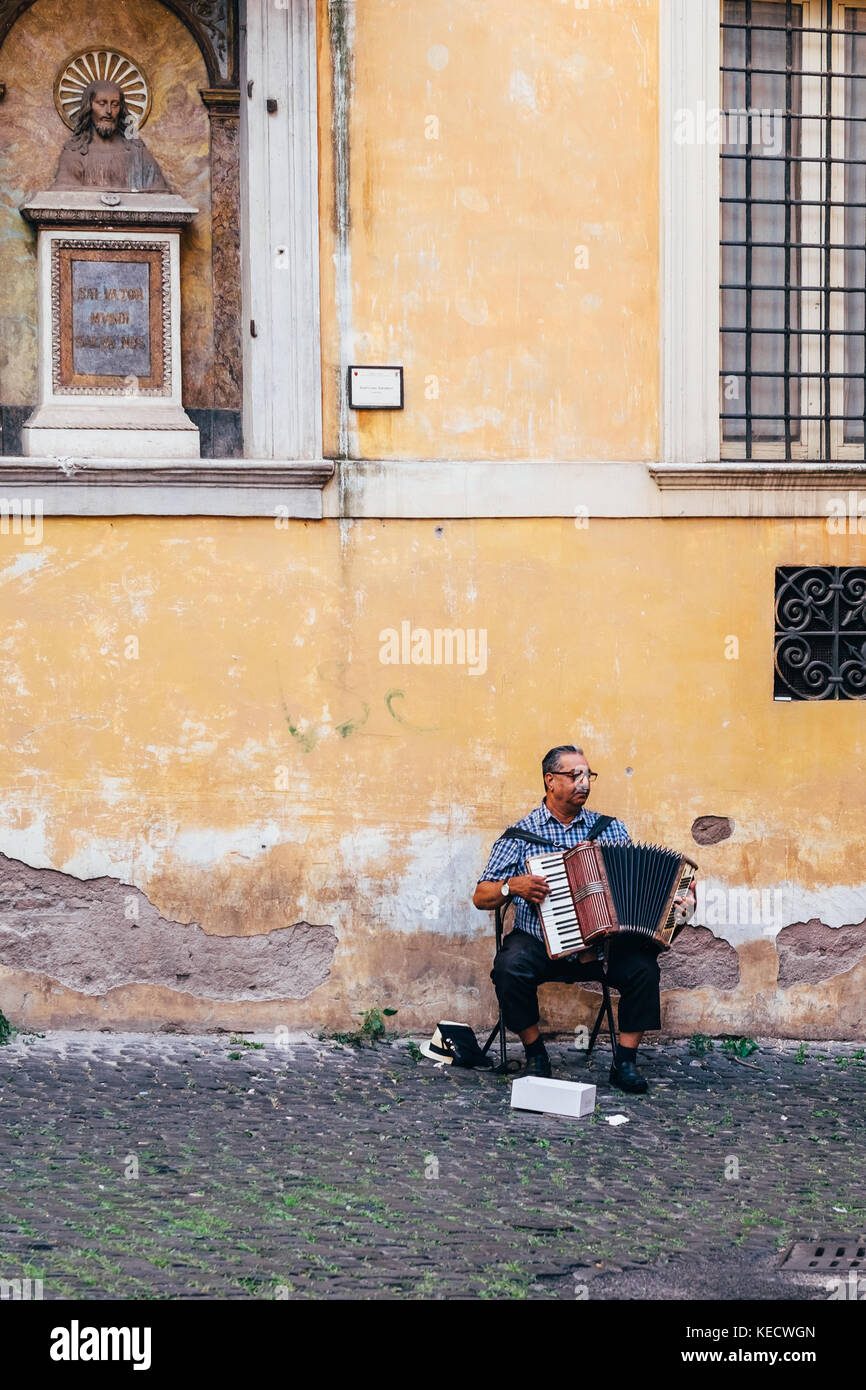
(689, 56)
(282, 406)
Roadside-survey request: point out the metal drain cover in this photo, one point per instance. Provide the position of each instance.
(834, 1252)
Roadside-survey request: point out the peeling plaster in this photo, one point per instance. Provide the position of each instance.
(437, 57)
(423, 880)
(23, 565)
(711, 830)
(522, 91)
(810, 951)
(99, 934)
(739, 912)
(698, 958)
(28, 842)
(193, 848)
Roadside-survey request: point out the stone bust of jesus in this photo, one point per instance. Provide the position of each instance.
(98, 154)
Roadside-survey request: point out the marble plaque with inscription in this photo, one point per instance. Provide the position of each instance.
(111, 318)
(109, 311)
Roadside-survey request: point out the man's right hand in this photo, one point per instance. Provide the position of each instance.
(531, 887)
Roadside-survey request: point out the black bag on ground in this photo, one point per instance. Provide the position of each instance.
(456, 1044)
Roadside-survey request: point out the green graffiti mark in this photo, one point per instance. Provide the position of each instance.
(339, 668)
(390, 697)
(334, 674)
(350, 726)
(307, 741)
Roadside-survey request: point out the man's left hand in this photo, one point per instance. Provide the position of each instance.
(686, 906)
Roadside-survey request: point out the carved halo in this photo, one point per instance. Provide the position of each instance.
(102, 65)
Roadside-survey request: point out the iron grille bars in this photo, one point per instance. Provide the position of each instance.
(820, 642)
(793, 230)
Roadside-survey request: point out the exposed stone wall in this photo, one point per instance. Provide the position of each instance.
(809, 952)
(97, 934)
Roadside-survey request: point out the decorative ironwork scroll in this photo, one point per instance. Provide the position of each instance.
(820, 633)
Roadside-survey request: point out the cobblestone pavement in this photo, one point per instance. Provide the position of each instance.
(162, 1166)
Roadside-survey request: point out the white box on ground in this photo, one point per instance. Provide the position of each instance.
(554, 1097)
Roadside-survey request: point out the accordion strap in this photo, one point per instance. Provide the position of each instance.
(600, 826)
(512, 833)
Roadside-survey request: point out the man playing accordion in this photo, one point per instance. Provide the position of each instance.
(562, 821)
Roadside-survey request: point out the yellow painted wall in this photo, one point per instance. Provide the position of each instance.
(259, 649)
(461, 248)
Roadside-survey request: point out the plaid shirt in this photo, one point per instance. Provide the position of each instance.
(508, 857)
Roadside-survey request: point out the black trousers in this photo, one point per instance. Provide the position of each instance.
(523, 964)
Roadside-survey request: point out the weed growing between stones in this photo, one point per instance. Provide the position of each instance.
(739, 1047)
(236, 1041)
(373, 1029)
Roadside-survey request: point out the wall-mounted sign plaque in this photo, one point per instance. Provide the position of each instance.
(375, 388)
(110, 318)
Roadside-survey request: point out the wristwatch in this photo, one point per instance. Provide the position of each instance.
(505, 890)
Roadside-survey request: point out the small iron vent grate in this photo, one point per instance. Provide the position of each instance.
(834, 1252)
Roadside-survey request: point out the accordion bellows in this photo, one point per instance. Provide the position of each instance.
(599, 890)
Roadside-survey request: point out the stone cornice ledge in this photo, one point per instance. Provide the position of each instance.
(733, 474)
(166, 487)
(513, 488)
(30, 472)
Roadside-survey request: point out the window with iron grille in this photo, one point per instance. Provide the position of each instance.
(793, 230)
(820, 633)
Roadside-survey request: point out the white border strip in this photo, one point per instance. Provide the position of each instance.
(689, 58)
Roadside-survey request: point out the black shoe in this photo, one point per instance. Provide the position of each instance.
(539, 1065)
(626, 1077)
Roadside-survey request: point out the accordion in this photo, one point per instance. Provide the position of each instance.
(599, 890)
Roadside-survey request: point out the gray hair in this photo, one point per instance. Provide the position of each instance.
(550, 761)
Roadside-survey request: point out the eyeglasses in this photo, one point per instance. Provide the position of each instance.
(582, 775)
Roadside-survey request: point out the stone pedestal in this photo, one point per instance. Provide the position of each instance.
(109, 327)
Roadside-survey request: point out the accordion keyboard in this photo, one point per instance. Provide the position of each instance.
(557, 912)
